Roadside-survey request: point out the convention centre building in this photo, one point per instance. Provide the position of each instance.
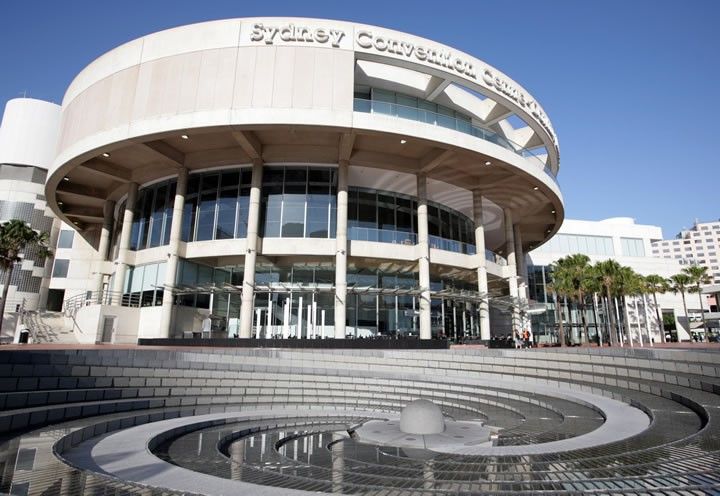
(288, 177)
(305, 178)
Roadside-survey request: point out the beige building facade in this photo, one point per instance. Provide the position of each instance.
(286, 177)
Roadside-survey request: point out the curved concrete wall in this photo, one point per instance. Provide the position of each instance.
(29, 132)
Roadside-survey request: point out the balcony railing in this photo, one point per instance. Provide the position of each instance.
(76, 302)
(451, 245)
(491, 256)
(382, 235)
(446, 121)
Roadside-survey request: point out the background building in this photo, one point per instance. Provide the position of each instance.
(697, 246)
(28, 139)
(618, 238)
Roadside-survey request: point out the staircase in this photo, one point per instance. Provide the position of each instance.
(49, 327)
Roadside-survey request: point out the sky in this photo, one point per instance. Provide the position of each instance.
(631, 86)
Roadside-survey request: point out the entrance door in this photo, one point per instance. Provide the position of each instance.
(108, 329)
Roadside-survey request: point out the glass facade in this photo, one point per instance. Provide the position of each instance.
(296, 299)
(573, 243)
(143, 285)
(216, 205)
(378, 101)
(632, 247)
(298, 202)
(153, 216)
(388, 217)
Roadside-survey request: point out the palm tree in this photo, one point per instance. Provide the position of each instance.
(15, 237)
(628, 285)
(608, 272)
(575, 270)
(594, 287)
(699, 276)
(681, 283)
(657, 284)
(557, 290)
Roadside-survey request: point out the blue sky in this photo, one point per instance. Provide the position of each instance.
(631, 86)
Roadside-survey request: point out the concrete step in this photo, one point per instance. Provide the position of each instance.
(49, 327)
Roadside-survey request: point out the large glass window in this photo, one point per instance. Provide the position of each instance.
(143, 285)
(153, 216)
(216, 206)
(388, 217)
(60, 269)
(410, 107)
(632, 247)
(299, 202)
(65, 240)
(573, 243)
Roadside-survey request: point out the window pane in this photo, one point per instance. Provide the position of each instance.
(317, 217)
(150, 277)
(226, 214)
(169, 212)
(136, 280)
(242, 217)
(386, 212)
(189, 219)
(146, 214)
(65, 240)
(210, 182)
(206, 217)
(273, 210)
(60, 269)
(293, 225)
(366, 210)
(157, 216)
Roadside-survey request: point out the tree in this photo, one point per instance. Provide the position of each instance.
(594, 287)
(574, 271)
(609, 272)
(657, 284)
(681, 283)
(15, 237)
(628, 284)
(558, 313)
(699, 276)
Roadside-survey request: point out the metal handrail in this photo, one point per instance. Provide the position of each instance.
(382, 235)
(117, 298)
(451, 245)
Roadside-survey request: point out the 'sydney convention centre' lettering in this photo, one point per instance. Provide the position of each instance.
(508, 89)
(443, 58)
(291, 32)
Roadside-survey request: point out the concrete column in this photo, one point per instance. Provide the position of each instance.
(121, 264)
(173, 258)
(341, 250)
(483, 306)
(512, 267)
(104, 244)
(423, 254)
(523, 293)
(246, 306)
(520, 263)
